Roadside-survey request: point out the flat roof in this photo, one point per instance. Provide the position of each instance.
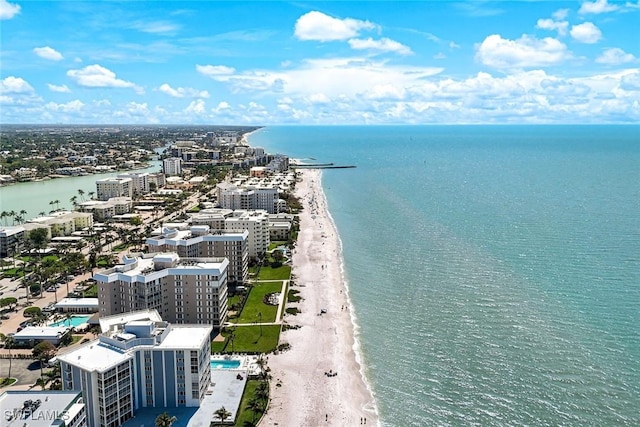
(106, 322)
(41, 332)
(77, 302)
(95, 356)
(52, 405)
(186, 336)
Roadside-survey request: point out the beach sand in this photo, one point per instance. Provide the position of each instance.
(302, 394)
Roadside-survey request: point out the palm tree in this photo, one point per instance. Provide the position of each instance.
(164, 420)
(255, 406)
(8, 343)
(81, 194)
(262, 391)
(91, 194)
(74, 201)
(41, 382)
(3, 216)
(222, 413)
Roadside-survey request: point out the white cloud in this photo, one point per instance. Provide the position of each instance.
(615, 56)
(560, 14)
(596, 7)
(15, 85)
(318, 98)
(8, 10)
(156, 27)
(196, 107)
(551, 25)
(525, 52)
(48, 53)
(586, 33)
(99, 76)
(182, 92)
(69, 107)
(222, 105)
(454, 45)
(214, 70)
(60, 89)
(384, 45)
(386, 91)
(318, 26)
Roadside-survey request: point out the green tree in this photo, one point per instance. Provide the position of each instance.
(8, 344)
(256, 406)
(8, 301)
(222, 413)
(165, 420)
(32, 311)
(39, 238)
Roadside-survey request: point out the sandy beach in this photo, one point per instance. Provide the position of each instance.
(319, 381)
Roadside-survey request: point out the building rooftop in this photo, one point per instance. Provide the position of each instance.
(95, 356)
(38, 408)
(77, 302)
(41, 332)
(186, 336)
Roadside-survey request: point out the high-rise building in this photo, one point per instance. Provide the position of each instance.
(172, 166)
(114, 187)
(183, 290)
(138, 361)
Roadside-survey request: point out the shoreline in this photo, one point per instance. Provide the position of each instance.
(321, 379)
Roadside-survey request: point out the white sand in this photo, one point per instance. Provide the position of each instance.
(307, 396)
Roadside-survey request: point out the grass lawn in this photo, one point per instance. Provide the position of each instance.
(248, 340)
(280, 273)
(247, 415)
(255, 304)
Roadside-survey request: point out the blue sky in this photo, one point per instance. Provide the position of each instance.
(265, 63)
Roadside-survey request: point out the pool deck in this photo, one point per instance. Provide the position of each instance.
(225, 390)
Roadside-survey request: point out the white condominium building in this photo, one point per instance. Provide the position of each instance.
(249, 198)
(172, 166)
(187, 290)
(139, 361)
(140, 181)
(198, 242)
(114, 187)
(62, 223)
(257, 224)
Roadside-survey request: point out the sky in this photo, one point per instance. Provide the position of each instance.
(333, 63)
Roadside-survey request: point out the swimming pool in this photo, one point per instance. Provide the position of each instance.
(74, 321)
(225, 364)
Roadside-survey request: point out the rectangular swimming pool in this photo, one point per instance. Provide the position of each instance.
(72, 322)
(225, 364)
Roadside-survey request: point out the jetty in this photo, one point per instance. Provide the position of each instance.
(319, 166)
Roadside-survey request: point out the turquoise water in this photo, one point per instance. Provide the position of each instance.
(73, 321)
(225, 364)
(494, 270)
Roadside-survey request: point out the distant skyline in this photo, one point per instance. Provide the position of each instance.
(363, 62)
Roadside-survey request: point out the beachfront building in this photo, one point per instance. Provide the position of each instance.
(183, 290)
(172, 166)
(139, 181)
(11, 241)
(280, 226)
(50, 408)
(114, 187)
(139, 361)
(257, 224)
(62, 223)
(199, 241)
(248, 198)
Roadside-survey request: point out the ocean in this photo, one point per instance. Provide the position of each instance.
(494, 270)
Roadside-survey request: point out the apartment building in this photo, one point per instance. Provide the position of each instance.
(138, 361)
(139, 181)
(257, 224)
(11, 240)
(182, 290)
(248, 198)
(172, 166)
(63, 223)
(200, 242)
(114, 187)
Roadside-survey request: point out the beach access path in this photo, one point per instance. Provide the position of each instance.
(318, 381)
